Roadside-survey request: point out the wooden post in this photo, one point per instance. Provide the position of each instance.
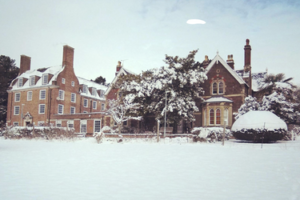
(157, 137)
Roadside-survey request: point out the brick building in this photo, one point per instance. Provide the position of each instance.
(56, 96)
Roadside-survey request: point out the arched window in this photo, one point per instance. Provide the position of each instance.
(211, 116)
(215, 88)
(218, 116)
(221, 88)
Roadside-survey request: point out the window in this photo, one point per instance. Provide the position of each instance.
(58, 123)
(218, 116)
(221, 88)
(125, 123)
(42, 94)
(61, 95)
(60, 109)
(63, 80)
(70, 123)
(94, 91)
(101, 93)
(41, 108)
(16, 123)
(94, 104)
(45, 79)
(85, 112)
(97, 126)
(16, 110)
(215, 88)
(83, 126)
(226, 116)
(211, 116)
(32, 80)
(85, 103)
(73, 97)
(102, 106)
(72, 110)
(72, 83)
(85, 89)
(20, 82)
(29, 95)
(17, 97)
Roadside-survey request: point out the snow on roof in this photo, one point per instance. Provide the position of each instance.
(218, 58)
(54, 70)
(217, 99)
(92, 84)
(258, 119)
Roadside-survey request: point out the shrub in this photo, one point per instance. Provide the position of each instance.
(210, 134)
(261, 135)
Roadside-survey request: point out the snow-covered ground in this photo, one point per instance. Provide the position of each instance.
(83, 169)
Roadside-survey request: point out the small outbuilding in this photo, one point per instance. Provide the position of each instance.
(259, 126)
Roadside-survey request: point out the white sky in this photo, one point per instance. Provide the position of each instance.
(141, 32)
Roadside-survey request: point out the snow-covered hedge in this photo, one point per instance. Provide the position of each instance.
(210, 133)
(17, 132)
(261, 135)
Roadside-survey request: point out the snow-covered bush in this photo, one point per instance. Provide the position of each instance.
(99, 136)
(259, 126)
(210, 133)
(250, 104)
(16, 132)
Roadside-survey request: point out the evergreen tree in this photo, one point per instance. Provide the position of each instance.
(8, 71)
(250, 104)
(100, 80)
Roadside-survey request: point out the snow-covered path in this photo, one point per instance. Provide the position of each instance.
(83, 169)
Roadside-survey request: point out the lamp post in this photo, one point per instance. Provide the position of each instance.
(22, 115)
(165, 115)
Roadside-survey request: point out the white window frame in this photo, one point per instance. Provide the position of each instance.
(85, 89)
(58, 122)
(83, 125)
(29, 97)
(102, 106)
(32, 80)
(94, 92)
(40, 106)
(72, 107)
(16, 123)
(62, 109)
(17, 97)
(61, 95)
(20, 82)
(85, 103)
(101, 93)
(45, 80)
(15, 113)
(94, 105)
(73, 83)
(63, 80)
(97, 129)
(41, 97)
(70, 122)
(73, 97)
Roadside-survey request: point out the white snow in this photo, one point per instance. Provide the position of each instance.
(217, 99)
(258, 119)
(83, 169)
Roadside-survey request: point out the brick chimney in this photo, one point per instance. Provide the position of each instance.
(230, 61)
(205, 63)
(247, 67)
(24, 64)
(68, 56)
(247, 49)
(119, 66)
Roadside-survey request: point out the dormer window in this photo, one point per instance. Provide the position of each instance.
(45, 79)
(32, 80)
(101, 93)
(85, 89)
(20, 82)
(94, 92)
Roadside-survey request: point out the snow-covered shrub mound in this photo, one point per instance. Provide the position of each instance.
(259, 126)
(101, 135)
(17, 132)
(210, 133)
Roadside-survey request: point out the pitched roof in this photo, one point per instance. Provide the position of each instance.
(92, 84)
(55, 70)
(218, 58)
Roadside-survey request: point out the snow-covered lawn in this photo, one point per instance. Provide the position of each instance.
(83, 169)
